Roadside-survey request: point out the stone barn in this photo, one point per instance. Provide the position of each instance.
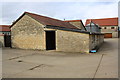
(33, 31)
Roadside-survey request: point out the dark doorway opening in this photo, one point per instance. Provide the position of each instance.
(50, 40)
(7, 40)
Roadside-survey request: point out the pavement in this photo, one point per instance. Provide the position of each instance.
(17, 63)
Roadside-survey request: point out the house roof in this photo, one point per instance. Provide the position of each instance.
(50, 21)
(104, 21)
(47, 21)
(4, 27)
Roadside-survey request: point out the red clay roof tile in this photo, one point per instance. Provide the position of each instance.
(4, 27)
(104, 21)
(50, 21)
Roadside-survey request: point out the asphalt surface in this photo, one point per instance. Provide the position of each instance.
(17, 63)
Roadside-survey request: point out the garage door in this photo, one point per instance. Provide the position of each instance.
(108, 35)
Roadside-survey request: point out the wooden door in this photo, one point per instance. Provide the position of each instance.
(108, 35)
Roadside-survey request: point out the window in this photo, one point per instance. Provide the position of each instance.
(105, 28)
(112, 27)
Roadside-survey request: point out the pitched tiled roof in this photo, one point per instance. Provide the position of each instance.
(104, 21)
(4, 27)
(50, 21)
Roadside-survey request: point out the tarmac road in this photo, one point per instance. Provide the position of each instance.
(51, 64)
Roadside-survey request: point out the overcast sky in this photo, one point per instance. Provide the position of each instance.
(71, 10)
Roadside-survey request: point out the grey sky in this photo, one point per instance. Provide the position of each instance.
(59, 10)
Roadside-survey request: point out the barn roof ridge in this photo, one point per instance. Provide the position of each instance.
(72, 20)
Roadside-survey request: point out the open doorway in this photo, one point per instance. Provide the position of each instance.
(50, 40)
(7, 40)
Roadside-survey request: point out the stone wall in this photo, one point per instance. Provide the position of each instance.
(95, 41)
(27, 33)
(68, 41)
(1, 41)
(78, 24)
